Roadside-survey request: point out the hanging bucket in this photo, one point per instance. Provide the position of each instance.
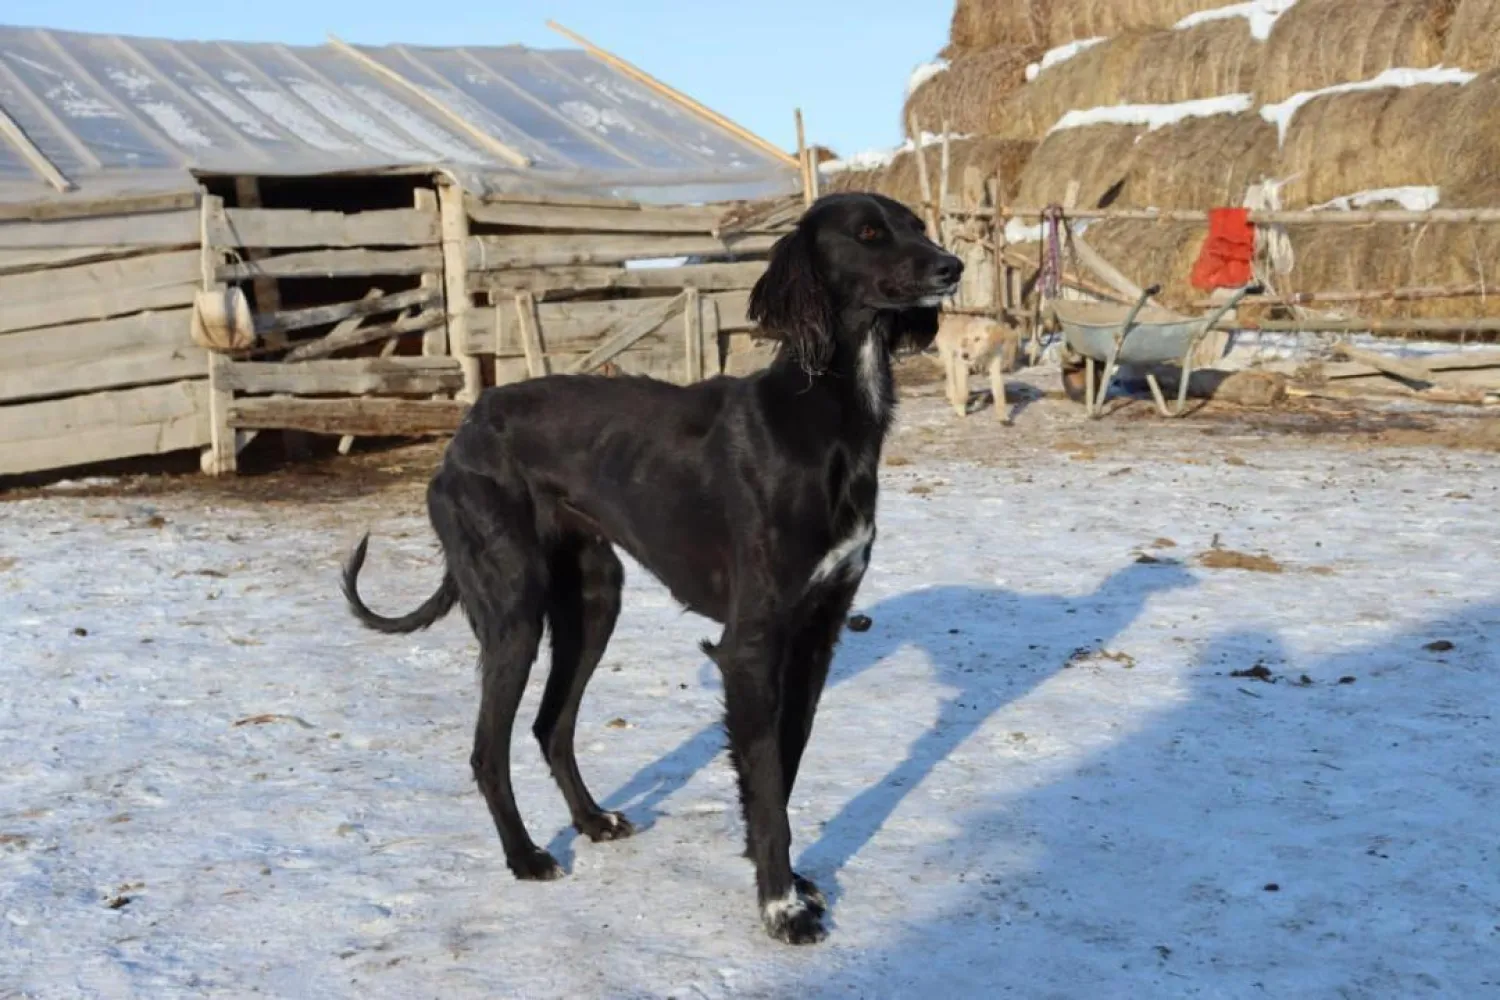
(222, 320)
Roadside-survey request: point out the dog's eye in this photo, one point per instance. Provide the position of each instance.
(868, 234)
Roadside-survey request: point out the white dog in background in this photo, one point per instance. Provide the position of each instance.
(968, 343)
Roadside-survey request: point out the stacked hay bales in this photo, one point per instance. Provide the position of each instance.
(1472, 36)
(1346, 97)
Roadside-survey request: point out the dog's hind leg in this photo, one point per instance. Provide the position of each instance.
(582, 605)
(489, 540)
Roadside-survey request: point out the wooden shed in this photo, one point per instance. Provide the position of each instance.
(200, 241)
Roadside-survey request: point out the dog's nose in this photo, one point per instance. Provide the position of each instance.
(948, 270)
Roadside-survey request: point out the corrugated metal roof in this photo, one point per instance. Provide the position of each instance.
(115, 113)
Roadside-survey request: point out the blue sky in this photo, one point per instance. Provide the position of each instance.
(845, 62)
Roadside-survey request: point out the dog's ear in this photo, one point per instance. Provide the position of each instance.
(914, 329)
(791, 302)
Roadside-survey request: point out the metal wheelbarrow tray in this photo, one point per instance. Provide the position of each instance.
(1139, 334)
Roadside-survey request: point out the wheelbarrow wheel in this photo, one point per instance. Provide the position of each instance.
(1075, 380)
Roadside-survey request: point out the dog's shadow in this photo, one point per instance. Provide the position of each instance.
(1026, 639)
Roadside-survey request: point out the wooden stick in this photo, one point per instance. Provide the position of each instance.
(1372, 295)
(531, 337)
(644, 78)
(643, 325)
(1411, 371)
(928, 209)
(944, 161)
(1096, 262)
(1315, 325)
(510, 155)
(1285, 217)
(32, 154)
(299, 319)
(1460, 397)
(807, 195)
(325, 346)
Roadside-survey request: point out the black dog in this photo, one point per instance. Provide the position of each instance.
(752, 499)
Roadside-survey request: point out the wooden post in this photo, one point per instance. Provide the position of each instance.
(1002, 302)
(455, 224)
(942, 206)
(807, 195)
(692, 326)
(927, 206)
(434, 341)
(220, 456)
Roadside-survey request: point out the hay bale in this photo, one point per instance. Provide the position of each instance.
(1471, 170)
(1474, 37)
(966, 94)
(1098, 157)
(1319, 43)
(985, 24)
(1153, 253)
(1072, 20)
(1363, 140)
(1157, 67)
(1371, 258)
(1200, 162)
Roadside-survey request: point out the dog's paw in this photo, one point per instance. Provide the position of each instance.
(793, 919)
(535, 866)
(810, 893)
(606, 826)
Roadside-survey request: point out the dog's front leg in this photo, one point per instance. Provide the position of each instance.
(750, 658)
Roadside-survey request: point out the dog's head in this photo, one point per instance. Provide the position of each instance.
(859, 252)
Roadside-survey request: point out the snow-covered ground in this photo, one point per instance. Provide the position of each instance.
(1035, 776)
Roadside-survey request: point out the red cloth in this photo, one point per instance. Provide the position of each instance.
(1224, 261)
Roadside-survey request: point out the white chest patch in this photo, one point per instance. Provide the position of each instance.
(870, 382)
(848, 557)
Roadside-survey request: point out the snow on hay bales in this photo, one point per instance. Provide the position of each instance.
(1159, 67)
(1366, 140)
(968, 92)
(1074, 19)
(1474, 37)
(1320, 43)
(900, 179)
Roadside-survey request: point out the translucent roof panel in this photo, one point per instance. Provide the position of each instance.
(111, 111)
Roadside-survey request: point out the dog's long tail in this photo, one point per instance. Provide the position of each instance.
(435, 607)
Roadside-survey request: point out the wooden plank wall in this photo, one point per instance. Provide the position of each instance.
(95, 358)
(548, 285)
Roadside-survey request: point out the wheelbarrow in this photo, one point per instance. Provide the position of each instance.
(1108, 334)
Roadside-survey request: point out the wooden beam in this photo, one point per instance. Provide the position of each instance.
(624, 218)
(435, 340)
(352, 263)
(301, 319)
(292, 228)
(632, 332)
(1408, 370)
(568, 327)
(455, 231)
(1284, 217)
(32, 154)
(677, 97)
(506, 153)
(705, 277)
(362, 417)
(534, 250)
(354, 376)
(531, 338)
(358, 337)
(155, 229)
